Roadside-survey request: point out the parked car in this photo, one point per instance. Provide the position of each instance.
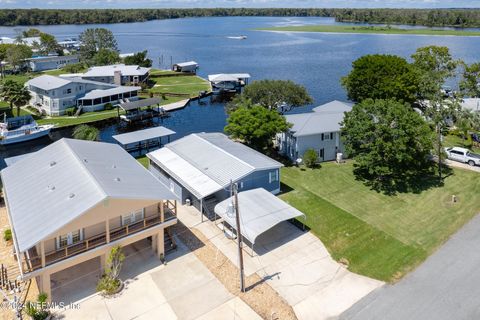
(463, 155)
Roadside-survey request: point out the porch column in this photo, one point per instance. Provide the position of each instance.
(44, 285)
(42, 253)
(162, 211)
(160, 244)
(107, 230)
(154, 243)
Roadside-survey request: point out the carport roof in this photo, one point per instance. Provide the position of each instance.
(259, 211)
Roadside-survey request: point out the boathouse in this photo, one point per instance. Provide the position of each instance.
(188, 67)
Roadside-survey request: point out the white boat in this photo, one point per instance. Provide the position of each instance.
(21, 129)
(237, 37)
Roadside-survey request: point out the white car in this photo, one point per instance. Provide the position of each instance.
(463, 155)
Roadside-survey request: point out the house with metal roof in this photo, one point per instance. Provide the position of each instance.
(200, 167)
(119, 74)
(43, 63)
(73, 200)
(52, 94)
(318, 130)
(189, 67)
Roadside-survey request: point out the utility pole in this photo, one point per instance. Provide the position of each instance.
(239, 238)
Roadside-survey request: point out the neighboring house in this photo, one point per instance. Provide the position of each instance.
(472, 104)
(38, 64)
(200, 167)
(29, 41)
(119, 74)
(55, 94)
(189, 67)
(73, 200)
(318, 130)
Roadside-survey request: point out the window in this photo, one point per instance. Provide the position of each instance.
(69, 90)
(331, 135)
(327, 136)
(69, 238)
(321, 153)
(132, 217)
(323, 136)
(240, 185)
(273, 176)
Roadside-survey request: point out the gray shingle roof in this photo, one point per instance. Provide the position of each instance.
(57, 184)
(325, 118)
(215, 156)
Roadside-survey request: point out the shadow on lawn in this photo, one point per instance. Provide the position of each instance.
(404, 182)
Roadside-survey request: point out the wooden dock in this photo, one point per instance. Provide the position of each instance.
(176, 105)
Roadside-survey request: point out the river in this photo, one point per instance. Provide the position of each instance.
(316, 60)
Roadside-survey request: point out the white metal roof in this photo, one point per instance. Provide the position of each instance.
(325, 118)
(100, 93)
(187, 64)
(193, 179)
(215, 156)
(259, 211)
(57, 184)
(53, 58)
(109, 71)
(48, 82)
(227, 77)
(142, 135)
(472, 104)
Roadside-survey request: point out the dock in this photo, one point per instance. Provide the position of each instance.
(176, 105)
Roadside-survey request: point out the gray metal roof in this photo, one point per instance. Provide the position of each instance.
(57, 184)
(11, 160)
(109, 71)
(140, 103)
(259, 211)
(142, 135)
(325, 118)
(211, 155)
(48, 82)
(100, 93)
(187, 64)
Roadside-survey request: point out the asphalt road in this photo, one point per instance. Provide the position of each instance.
(445, 287)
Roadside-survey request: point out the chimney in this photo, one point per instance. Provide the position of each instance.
(117, 77)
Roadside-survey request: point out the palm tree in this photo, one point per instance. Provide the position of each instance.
(466, 120)
(86, 132)
(8, 90)
(21, 96)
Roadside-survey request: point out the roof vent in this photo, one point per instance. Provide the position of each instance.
(51, 188)
(117, 179)
(52, 163)
(114, 166)
(85, 160)
(71, 195)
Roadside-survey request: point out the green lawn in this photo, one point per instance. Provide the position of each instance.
(456, 141)
(143, 161)
(373, 30)
(381, 236)
(188, 84)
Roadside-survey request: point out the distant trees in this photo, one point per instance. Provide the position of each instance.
(389, 141)
(381, 77)
(140, 59)
(96, 40)
(255, 125)
(278, 95)
(427, 17)
(105, 57)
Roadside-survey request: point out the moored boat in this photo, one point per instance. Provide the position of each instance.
(21, 129)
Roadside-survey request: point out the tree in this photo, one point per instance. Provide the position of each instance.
(48, 44)
(389, 142)
(32, 32)
(109, 283)
(105, 57)
(86, 132)
(434, 66)
(94, 39)
(281, 95)
(21, 96)
(7, 92)
(17, 54)
(38, 310)
(140, 59)
(255, 125)
(310, 158)
(381, 77)
(469, 85)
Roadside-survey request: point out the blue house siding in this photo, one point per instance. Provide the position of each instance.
(326, 145)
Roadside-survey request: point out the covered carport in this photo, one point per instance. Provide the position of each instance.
(259, 211)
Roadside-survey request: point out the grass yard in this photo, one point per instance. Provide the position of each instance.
(143, 161)
(381, 236)
(456, 141)
(188, 84)
(373, 30)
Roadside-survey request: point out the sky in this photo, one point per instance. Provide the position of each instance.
(71, 4)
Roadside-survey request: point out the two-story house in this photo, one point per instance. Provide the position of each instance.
(73, 200)
(119, 74)
(53, 94)
(318, 130)
(199, 168)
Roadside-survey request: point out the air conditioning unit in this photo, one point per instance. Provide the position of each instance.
(340, 158)
(188, 202)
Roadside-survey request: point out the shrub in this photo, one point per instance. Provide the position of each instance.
(110, 283)
(108, 106)
(86, 132)
(74, 68)
(7, 235)
(38, 310)
(71, 111)
(310, 158)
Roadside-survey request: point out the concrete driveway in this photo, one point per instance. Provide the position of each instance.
(446, 286)
(296, 264)
(456, 164)
(182, 289)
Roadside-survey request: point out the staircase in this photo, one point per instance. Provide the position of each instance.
(209, 204)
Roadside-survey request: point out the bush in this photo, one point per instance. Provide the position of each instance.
(74, 68)
(310, 158)
(7, 235)
(108, 106)
(71, 111)
(38, 310)
(108, 285)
